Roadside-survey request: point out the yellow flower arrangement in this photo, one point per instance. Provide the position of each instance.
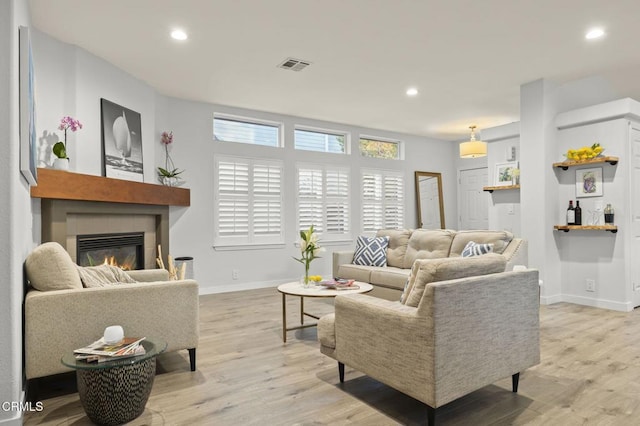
(584, 153)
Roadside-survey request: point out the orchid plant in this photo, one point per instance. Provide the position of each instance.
(66, 123)
(309, 250)
(169, 170)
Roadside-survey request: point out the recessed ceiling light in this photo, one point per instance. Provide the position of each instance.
(412, 91)
(594, 33)
(178, 35)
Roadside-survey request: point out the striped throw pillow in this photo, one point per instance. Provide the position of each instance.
(474, 249)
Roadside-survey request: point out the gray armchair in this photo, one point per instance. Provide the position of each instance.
(464, 333)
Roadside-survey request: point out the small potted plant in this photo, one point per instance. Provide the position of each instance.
(61, 162)
(168, 174)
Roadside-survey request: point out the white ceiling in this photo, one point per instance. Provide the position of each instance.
(468, 58)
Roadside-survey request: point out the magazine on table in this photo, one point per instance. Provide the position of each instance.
(102, 351)
(339, 284)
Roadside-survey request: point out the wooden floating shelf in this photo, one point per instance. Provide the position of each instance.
(63, 185)
(566, 164)
(566, 228)
(500, 188)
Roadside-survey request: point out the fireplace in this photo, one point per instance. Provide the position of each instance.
(125, 250)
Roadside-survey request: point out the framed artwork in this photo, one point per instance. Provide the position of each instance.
(121, 142)
(28, 137)
(503, 173)
(589, 182)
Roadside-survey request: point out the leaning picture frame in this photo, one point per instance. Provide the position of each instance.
(121, 142)
(28, 136)
(503, 176)
(589, 182)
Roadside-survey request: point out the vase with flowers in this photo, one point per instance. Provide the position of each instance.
(61, 162)
(168, 174)
(309, 250)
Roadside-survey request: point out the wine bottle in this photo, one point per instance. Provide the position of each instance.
(571, 214)
(578, 214)
(608, 215)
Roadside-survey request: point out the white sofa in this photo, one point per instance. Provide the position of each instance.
(61, 315)
(408, 245)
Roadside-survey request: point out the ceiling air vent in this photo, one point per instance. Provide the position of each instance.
(294, 64)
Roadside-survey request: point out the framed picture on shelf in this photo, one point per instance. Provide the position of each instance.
(503, 173)
(589, 182)
(28, 137)
(121, 142)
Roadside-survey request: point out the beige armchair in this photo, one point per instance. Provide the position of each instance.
(60, 315)
(463, 334)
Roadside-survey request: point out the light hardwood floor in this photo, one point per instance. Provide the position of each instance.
(589, 375)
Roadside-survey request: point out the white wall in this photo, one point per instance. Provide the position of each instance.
(192, 228)
(74, 81)
(15, 212)
(504, 206)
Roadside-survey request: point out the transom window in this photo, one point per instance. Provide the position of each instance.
(320, 140)
(375, 148)
(382, 200)
(323, 200)
(237, 129)
(248, 201)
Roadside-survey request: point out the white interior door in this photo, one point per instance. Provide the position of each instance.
(474, 202)
(634, 137)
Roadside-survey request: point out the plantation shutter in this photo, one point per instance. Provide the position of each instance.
(382, 200)
(248, 202)
(323, 200)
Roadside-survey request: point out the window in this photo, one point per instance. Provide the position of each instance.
(323, 200)
(319, 140)
(388, 150)
(256, 132)
(248, 201)
(382, 200)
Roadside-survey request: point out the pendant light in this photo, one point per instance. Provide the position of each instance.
(473, 148)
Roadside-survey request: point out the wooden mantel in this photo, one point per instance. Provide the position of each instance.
(63, 185)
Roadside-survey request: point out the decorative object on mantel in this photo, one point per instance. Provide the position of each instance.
(169, 174)
(174, 273)
(121, 142)
(585, 153)
(61, 162)
(309, 249)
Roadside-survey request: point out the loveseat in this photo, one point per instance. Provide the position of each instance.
(407, 245)
(61, 315)
(461, 325)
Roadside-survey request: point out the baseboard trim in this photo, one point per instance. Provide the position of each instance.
(598, 303)
(227, 288)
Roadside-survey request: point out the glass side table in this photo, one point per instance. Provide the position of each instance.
(116, 392)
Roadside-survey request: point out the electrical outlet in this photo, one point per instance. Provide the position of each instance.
(234, 274)
(591, 285)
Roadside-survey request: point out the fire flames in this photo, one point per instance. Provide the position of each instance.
(112, 261)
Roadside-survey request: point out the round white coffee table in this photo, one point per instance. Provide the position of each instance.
(296, 289)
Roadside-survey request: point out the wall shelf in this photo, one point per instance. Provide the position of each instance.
(566, 228)
(490, 189)
(571, 163)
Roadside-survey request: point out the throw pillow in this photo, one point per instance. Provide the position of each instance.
(474, 249)
(49, 267)
(103, 276)
(371, 251)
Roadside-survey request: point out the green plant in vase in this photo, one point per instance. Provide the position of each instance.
(309, 250)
